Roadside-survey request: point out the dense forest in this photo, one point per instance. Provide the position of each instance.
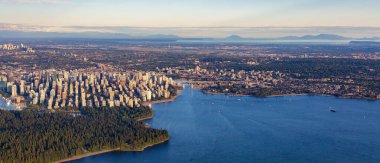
(41, 136)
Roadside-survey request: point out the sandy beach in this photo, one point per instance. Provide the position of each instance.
(145, 118)
(85, 155)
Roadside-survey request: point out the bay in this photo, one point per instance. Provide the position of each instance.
(222, 128)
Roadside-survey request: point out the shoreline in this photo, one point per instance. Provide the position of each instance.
(294, 94)
(284, 95)
(144, 118)
(118, 149)
(145, 147)
(344, 96)
(81, 156)
(77, 157)
(220, 93)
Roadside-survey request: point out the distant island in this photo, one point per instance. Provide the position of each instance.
(305, 37)
(365, 42)
(234, 37)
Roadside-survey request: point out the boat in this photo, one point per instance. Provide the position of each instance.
(332, 110)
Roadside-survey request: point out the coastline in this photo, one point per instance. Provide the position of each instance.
(145, 147)
(145, 118)
(220, 93)
(295, 94)
(118, 149)
(77, 157)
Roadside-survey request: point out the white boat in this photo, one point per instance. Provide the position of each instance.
(8, 102)
(332, 110)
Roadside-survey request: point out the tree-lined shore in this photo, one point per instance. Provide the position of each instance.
(41, 136)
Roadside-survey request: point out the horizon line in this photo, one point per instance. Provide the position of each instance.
(131, 26)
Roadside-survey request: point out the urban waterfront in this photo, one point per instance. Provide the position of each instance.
(221, 128)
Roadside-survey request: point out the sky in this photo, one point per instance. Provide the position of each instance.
(192, 13)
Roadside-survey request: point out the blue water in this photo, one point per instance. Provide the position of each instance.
(221, 128)
(5, 106)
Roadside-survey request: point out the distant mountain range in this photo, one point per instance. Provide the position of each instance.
(234, 37)
(305, 37)
(316, 37)
(105, 35)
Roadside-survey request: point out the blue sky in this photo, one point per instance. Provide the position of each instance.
(192, 13)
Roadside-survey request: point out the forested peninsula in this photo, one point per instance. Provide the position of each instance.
(45, 136)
